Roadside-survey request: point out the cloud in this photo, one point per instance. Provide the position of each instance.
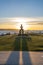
(12, 23)
(40, 23)
(29, 20)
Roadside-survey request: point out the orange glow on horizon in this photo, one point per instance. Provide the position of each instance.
(15, 23)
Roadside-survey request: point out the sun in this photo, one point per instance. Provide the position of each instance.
(20, 21)
(23, 24)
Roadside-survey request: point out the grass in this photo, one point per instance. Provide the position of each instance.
(36, 44)
(6, 42)
(20, 43)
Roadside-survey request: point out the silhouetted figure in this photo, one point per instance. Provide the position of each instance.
(21, 32)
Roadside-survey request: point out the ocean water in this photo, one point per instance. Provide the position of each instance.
(6, 31)
(13, 31)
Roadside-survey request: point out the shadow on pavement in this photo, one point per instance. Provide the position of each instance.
(26, 58)
(13, 58)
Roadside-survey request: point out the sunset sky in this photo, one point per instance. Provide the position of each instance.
(29, 13)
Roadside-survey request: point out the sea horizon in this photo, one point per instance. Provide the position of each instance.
(13, 31)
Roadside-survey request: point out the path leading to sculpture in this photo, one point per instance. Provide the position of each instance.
(20, 54)
(21, 58)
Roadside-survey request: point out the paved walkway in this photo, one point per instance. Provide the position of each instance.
(21, 58)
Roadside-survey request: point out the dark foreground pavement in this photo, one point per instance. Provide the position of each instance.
(21, 58)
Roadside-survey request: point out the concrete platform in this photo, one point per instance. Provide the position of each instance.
(21, 58)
